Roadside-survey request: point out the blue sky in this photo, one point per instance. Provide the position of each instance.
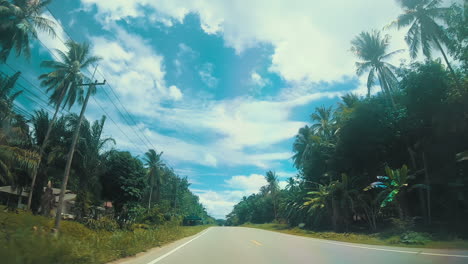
(220, 86)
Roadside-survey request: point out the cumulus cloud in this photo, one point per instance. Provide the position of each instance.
(310, 39)
(257, 80)
(136, 71)
(53, 43)
(206, 75)
(220, 203)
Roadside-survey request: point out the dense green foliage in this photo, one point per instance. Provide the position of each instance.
(394, 159)
(26, 239)
(71, 152)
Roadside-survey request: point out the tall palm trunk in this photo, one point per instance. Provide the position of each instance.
(385, 87)
(66, 174)
(43, 146)
(158, 192)
(150, 196)
(457, 81)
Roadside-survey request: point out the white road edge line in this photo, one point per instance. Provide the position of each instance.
(400, 251)
(175, 249)
(379, 249)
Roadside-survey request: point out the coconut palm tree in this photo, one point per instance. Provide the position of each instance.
(155, 173)
(7, 96)
(90, 158)
(272, 188)
(301, 146)
(323, 122)
(13, 132)
(424, 32)
(84, 50)
(19, 21)
(64, 83)
(372, 48)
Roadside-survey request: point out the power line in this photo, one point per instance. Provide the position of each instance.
(125, 109)
(113, 92)
(33, 94)
(112, 120)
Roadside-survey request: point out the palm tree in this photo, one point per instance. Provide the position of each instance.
(64, 84)
(7, 97)
(424, 32)
(19, 21)
(371, 47)
(13, 131)
(272, 188)
(82, 49)
(155, 173)
(90, 159)
(301, 146)
(323, 122)
(318, 201)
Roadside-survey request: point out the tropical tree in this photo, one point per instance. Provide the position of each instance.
(90, 161)
(7, 96)
(155, 173)
(323, 122)
(394, 184)
(272, 189)
(84, 48)
(372, 48)
(64, 83)
(301, 146)
(14, 135)
(424, 33)
(19, 21)
(318, 201)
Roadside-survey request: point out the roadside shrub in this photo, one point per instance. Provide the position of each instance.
(104, 223)
(400, 226)
(415, 238)
(152, 217)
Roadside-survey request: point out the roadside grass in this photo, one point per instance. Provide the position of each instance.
(26, 239)
(384, 239)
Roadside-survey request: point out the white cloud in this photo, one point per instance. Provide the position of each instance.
(257, 80)
(311, 39)
(220, 203)
(134, 69)
(53, 43)
(206, 75)
(250, 184)
(175, 93)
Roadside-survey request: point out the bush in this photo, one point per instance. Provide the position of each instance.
(104, 223)
(27, 239)
(415, 238)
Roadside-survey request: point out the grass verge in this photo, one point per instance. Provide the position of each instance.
(26, 239)
(384, 239)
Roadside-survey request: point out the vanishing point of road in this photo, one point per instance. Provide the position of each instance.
(238, 245)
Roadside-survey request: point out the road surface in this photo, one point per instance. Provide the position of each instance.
(238, 245)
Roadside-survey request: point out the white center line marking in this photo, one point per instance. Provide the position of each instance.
(175, 249)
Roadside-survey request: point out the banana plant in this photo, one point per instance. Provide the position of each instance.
(393, 183)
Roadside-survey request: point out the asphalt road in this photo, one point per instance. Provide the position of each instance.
(237, 245)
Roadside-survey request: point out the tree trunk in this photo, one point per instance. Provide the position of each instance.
(66, 174)
(42, 149)
(335, 215)
(385, 88)
(457, 81)
(150, 195)
(428, 189)
(158, 193)
(20, 192)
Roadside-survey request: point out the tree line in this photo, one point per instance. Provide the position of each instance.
(68, 150)
(392, 158)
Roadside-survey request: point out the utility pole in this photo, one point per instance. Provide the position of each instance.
(91, 89)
